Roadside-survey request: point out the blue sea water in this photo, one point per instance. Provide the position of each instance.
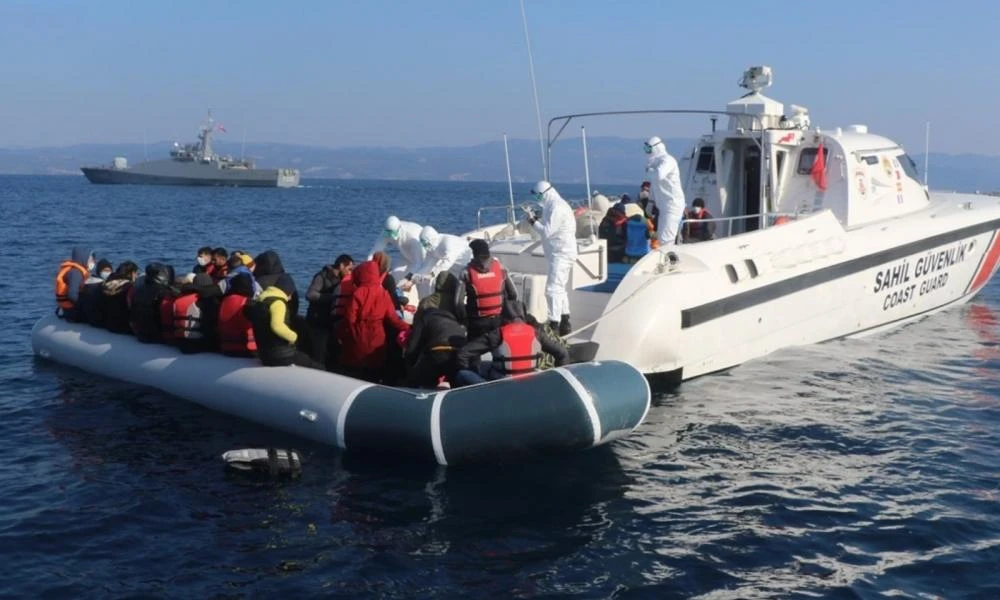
(858, 468)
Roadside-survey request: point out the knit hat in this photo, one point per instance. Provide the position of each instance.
(480, 248)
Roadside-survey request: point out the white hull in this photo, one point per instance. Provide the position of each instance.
(730, 300)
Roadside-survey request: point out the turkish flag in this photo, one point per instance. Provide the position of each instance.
(818, 171)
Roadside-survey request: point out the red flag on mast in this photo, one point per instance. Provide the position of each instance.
(818, 170)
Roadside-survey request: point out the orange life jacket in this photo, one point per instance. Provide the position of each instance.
(62, 288)
(187, 318)
(488, 300)
(519, 350)
(235, 331)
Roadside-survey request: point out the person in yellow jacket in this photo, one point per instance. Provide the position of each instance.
(271, 320)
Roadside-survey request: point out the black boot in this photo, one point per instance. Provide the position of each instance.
(554, 326)
(564, 326)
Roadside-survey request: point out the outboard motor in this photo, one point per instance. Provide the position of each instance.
(269, 462)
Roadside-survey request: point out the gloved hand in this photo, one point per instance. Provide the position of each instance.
(530, 214)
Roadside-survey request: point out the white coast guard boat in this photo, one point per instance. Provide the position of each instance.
(791, 264)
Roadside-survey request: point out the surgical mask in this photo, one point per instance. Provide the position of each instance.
(202, 260)
(392, 235)
(540, 196)
(105, 274)
(426, 245)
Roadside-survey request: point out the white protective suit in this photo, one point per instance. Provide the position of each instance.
(444, 252)
(557, 227)
(407, 240)
(667, 193)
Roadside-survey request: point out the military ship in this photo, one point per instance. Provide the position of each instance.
(193, 164)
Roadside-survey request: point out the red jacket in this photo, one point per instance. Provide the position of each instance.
(363, 335)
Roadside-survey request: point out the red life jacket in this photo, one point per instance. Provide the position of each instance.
(167, 318)
(187, 318)
(235, 331)
(488, 300)
(519, 350)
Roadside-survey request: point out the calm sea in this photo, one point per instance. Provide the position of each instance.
(859, 468)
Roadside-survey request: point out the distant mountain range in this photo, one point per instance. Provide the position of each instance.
(612, 160)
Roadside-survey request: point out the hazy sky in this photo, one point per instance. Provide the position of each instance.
(432, 72)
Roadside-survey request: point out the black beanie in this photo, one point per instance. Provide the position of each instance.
(480, 249)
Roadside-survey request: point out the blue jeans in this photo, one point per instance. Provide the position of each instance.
(485, 371)
(466, 377)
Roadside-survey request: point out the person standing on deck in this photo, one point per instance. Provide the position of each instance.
(667, 193)
(557, 227)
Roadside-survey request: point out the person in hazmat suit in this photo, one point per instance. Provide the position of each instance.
(667, 193)
(557, 227)
(405, 235)
(444, 252)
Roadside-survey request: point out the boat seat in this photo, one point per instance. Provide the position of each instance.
(616, 272)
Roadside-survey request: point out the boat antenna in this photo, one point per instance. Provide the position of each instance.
(586, 176)
(145, 153)
(534, 89)
(927, 149)
(510, 183)
(243, 145)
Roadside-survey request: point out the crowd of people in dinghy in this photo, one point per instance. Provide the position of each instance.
(356, 322)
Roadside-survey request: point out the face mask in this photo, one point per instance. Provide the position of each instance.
(202, 260)
(392, 235)
(425, 244)
(647, 148)
(105, 275)
(90, 266)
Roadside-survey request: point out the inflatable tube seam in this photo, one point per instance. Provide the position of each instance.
(342, 415)
(436, 429)
(586, 399)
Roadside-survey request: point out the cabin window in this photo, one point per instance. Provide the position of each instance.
(908, 166)
(870, 159)
(706, 160)
(808, 157)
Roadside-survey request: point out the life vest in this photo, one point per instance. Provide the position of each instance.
(636, 238)
(62, 288)
(217, 273)
(187, 318)
(488, 288)
(167, 318)
(342, 297)
(235, 331)
(519, 350)
(269, 344)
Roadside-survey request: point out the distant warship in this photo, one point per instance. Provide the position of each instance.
(193, 164)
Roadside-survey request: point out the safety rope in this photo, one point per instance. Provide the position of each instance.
(613, 309)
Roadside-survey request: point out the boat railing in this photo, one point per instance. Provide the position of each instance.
(507, 208)
(558, 124)
(770, 219)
